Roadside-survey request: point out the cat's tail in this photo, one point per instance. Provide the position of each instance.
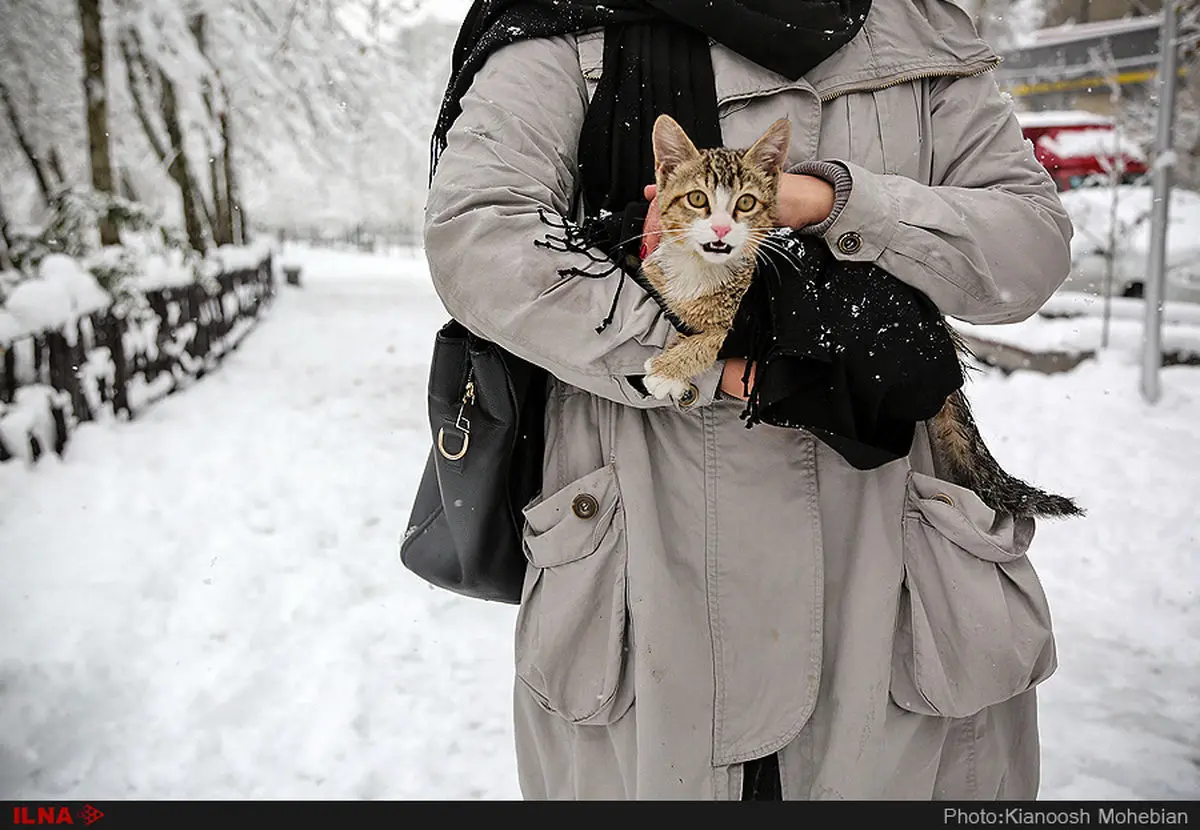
(960, 451)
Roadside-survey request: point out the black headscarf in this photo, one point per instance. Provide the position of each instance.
(809, 323)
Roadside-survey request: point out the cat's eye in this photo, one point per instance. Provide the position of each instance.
(746, 203)
(698, 199)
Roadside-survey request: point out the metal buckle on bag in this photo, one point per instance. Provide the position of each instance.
(462, 424)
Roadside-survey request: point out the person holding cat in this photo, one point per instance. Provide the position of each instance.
(713, 612)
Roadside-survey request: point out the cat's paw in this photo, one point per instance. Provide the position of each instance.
(662, 387)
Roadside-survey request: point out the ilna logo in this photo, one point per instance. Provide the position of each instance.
(85, 815)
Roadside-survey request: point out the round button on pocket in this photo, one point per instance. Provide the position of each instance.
(850, 243)
(944, 499)
(585, 506)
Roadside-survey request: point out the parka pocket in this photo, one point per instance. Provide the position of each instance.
(571, 644)
(974, 626)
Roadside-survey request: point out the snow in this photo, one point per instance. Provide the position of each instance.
(1084, 334)
(31, 413)
(1063, 118)
(85, 293)
(10, 327)
(207, 602)
(1087, 143)
(1074, 304)
(1089, 208)
(164, 271)
(241, 258)
(450, 10)
(39, 304)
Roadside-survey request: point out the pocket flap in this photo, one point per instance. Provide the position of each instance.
(960, 515)
(570, 524)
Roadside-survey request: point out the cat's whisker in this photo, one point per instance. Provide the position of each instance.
(777, 248)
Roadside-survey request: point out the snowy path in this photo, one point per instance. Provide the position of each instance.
(207, 603)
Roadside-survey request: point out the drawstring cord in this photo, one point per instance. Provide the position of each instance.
(584, 240)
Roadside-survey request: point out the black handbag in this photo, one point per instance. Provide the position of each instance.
(486, 410)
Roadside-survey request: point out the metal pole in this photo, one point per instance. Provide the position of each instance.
(1164, 163)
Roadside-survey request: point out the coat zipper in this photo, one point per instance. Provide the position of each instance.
(989, 66)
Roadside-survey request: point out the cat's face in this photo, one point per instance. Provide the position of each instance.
(717, 204)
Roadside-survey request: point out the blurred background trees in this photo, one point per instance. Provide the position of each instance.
(219, 116)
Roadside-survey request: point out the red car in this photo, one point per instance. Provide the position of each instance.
(1081, 148)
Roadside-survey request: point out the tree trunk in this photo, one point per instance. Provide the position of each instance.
(96, 96)
(220, 198)
(56, 166)
(128, 190)
(31, 155)
(5, 242)
(235, 213)
(134, 60)
(178, 168)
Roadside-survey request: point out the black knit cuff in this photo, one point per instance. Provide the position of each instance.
(838, 175)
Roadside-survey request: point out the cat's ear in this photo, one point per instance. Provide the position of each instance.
(672, 147)
(769, 153)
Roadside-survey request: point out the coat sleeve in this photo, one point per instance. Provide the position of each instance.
(510, 155)
(989, 242)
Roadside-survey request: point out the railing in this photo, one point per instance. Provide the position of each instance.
(104, 365)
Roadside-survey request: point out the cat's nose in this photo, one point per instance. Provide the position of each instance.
(722, 231)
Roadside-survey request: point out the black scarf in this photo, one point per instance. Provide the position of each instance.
(657, 61)
(815, 370)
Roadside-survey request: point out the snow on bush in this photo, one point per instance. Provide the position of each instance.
(10, 327)
(30, 414)
(39, 305)
(63, 288)
(81, 286)
(241, 258)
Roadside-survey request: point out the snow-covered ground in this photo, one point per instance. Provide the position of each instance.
(208, 602)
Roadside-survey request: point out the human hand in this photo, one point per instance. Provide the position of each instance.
(804, 200)
(652, 229)
(731, 378)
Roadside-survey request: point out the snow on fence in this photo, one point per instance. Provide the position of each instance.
(67, 368)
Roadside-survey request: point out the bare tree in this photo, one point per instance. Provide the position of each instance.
(171, 151)
(179, 167)
(5, 241)
(236, 213)
(25, 142)
(1114, 167)
(219, 158)
(95, 92)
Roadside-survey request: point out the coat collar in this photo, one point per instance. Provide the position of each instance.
(902, 40)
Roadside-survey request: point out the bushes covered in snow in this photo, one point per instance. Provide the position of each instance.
(113, 331)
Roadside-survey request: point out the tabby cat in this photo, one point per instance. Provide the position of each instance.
(718, 206)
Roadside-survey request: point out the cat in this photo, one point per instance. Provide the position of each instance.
(718, 206)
